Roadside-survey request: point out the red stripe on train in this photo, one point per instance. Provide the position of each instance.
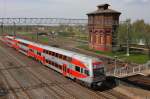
(36, 48)
(77, 74)
(78, 63)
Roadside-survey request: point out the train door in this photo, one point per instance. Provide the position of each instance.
(64, 69)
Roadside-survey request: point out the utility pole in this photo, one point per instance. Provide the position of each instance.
(37, 33)
(37, 36)
(14, 30)
(116, 57)
(2, 28)
(128, 49)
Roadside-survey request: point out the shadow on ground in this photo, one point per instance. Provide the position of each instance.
(108, 84)
(139, 81)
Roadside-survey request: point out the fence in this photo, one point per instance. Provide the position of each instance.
(130, 71)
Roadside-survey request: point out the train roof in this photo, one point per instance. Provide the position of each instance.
(11, 37)
(59, 50)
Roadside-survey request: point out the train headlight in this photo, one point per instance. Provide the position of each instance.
(99, 83)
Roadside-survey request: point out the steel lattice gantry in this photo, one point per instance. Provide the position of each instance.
(43, 21)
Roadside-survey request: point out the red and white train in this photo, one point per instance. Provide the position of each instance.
(85, 69)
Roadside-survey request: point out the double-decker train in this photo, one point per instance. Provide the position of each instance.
(82, 68)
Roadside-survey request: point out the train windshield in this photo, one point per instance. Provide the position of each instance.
(98, 72)
(98, 69)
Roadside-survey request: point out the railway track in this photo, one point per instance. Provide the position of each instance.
(41, 85)
(46, 85)
(105, 95)
(56, 83)
(12, 90)
(7, 71)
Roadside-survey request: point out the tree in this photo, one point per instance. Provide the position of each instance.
(137, 31)
(147, 37)
(122, 33)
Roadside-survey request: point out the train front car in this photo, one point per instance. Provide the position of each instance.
(98, 73)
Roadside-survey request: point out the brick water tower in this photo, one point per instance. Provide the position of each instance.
(102, 25)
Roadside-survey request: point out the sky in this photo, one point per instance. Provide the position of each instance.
(133, 9)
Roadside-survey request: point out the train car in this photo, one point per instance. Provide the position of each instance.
(85, 69)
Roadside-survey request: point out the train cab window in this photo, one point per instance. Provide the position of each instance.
(86, 72)
(77, 68)
(98, 72)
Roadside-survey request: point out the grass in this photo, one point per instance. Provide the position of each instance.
(135, 58)
(32, 36)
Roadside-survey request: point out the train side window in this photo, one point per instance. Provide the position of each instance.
(65, 57)
(60, 67)
(68, 70)
(68, 59)
(46, 51)
(77, 68)
(53, 63)
(39, 53)
(31, 50)
(46, 61)
(53, 53)
(57, 65)
(50, 62)
(81, 70)
(56, 54)
(60, 56)
(49, 52)
(86, 72)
